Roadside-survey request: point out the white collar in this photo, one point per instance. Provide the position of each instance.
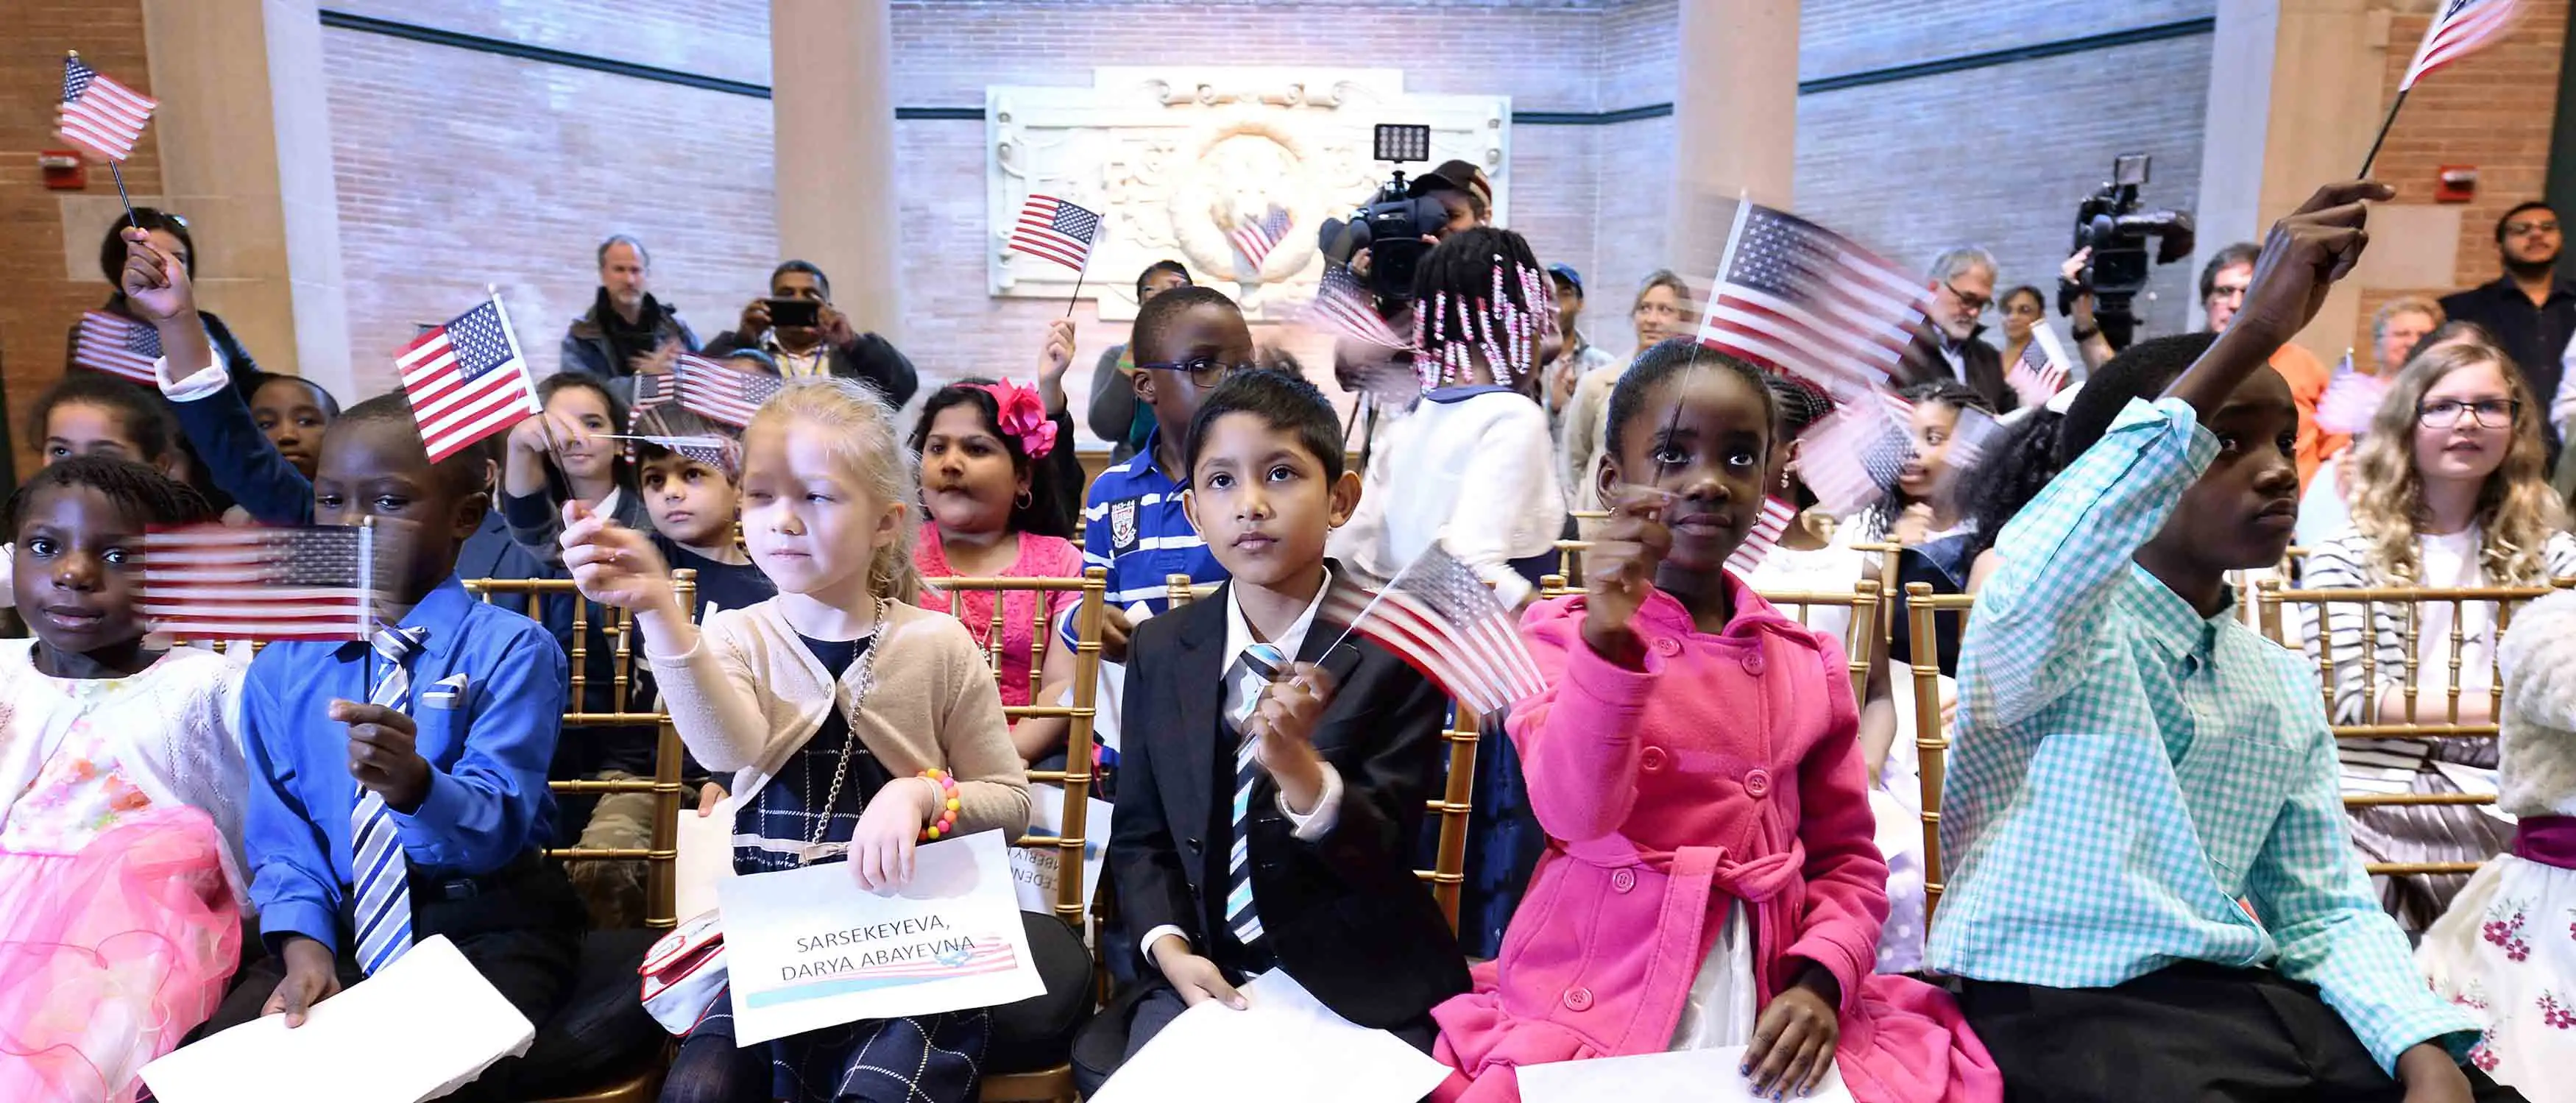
(1238, 631)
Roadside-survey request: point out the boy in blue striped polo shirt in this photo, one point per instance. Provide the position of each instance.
(2153, 892)
(1186, 341)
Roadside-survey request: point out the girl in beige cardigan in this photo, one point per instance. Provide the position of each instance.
(856, 725)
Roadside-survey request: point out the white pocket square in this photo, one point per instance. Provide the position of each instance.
(445, 693)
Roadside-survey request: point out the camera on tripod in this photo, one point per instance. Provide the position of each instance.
(2110, 223)
(1391, 227)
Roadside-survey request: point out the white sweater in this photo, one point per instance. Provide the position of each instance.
(1472, 467)
(2536, 752)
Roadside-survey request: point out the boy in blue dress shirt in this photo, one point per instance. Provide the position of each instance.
(2153, 894)
(423, 752)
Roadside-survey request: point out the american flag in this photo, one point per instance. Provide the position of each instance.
(1851, 458)
(2350, 400)
(1767, 528)
(1344, 307)
(217, 582)
(1259, 236)
(652, 392)
(2040, 372)
(466, 380)
(1974, 436)
(118, 347)
(1056, 230)
(722, 453)
(718, 393)
(1804, 300)
(1438, 616)
(2461, 29)
(99, 114)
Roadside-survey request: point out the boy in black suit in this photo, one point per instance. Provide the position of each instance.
(1273, 782)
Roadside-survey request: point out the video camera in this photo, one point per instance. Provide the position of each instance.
(1392, 225)
(2110, 223)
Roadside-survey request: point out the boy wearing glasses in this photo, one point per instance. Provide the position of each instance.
(1946, 350)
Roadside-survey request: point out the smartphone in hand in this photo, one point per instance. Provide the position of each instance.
(795, 313)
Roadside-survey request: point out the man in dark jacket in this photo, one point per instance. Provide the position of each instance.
(626, 328)
(2531, 312)
(829, 346)
(1946, 348)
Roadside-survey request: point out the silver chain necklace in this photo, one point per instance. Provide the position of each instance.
(841, 773)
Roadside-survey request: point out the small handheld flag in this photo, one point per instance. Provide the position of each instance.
(121, 348)
(219, 582)
(1798, 298)
(467, 380)
(2350, 401)
(1851, 459)
(1436, 615)
(2040, 372)
(103, 117)
(1344, 308)
(2460, 28)
(1768, 526)
(1060, 231)
(718, 393)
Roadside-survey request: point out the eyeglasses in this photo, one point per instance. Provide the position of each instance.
(1203, 371)
(2486, 412)
(2518, 229)
(1973, 304)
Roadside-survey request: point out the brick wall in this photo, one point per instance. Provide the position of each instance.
(2493, 110)
(38, 299)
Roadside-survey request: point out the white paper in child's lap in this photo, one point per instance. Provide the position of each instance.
(1034, 870)
(1690, 1076)
(425, 1026)
(1284, 1048)
(705, 858)
(808, 948)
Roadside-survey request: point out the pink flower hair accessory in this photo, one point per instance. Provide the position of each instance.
(1023, 417)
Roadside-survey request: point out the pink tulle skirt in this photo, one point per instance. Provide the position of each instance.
(110, 956)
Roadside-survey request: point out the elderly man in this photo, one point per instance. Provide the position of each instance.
(1946, 348)
(626, 330)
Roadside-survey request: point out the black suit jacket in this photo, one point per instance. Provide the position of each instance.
(1345, 914)
(1924, 363)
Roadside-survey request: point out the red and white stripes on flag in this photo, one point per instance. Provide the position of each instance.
(1768, 526)
(717, 392)
(1056, 230)
(1344, 307)
(100, 115)
(1439, 617)
(2461, 28)
(466, 380)
(2350, 401)
(1851, 458)
(122, 348)
(1257, 237)
(1798, 298)
(218, 582)
(2040, 372)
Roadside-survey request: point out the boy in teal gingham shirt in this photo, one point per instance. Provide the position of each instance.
(2152, 891)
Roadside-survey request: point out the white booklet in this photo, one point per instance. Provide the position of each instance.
(1283, 1048)
(1690, 1076)
(425, 1026)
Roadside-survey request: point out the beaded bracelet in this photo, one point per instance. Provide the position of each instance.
(947, 821)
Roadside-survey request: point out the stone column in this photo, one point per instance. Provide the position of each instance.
(832, 93)
(1735, 119)
(245, 135)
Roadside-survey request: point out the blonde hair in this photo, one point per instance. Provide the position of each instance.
(2516, 509)
(2405, 304)
(861, 432)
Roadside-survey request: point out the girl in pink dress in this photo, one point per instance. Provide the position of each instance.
(120, 797)
(1711, 878)
(993, 514)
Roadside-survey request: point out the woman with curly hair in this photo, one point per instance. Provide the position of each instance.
(2451, 489)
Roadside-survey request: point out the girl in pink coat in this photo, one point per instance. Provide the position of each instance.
(1710, 878)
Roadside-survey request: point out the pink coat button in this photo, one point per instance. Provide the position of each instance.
(1578, 999)
(1651, 759)
(1668, 647)
(1753, 664)
(1623, 880)
(1757, 783)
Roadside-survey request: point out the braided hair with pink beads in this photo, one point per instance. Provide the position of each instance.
(1481, 300)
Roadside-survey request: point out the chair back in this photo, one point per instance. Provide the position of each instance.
(1862, 601)
(661, 854)
(1923, 610)
(1088, 614)
(2351, 668)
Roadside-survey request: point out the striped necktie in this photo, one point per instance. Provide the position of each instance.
(377, 867)
(1251, 673)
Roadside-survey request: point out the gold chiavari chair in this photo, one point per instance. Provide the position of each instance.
(1055, 1083)
(643, 1081)
(1863, 601)
(1454, 807)
(1923, 610)
(2277, 605)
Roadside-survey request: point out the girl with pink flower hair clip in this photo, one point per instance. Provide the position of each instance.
(989, 473)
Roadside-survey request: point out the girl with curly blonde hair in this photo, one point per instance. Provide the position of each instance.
(2451, 490)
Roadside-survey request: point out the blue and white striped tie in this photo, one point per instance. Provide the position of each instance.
(1251, 674)
(377, 867)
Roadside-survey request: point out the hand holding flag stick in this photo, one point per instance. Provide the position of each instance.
(2459, 28)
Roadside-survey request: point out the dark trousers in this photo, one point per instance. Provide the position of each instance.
(2187, 1032)
(521, 928)
(1121, 1030)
